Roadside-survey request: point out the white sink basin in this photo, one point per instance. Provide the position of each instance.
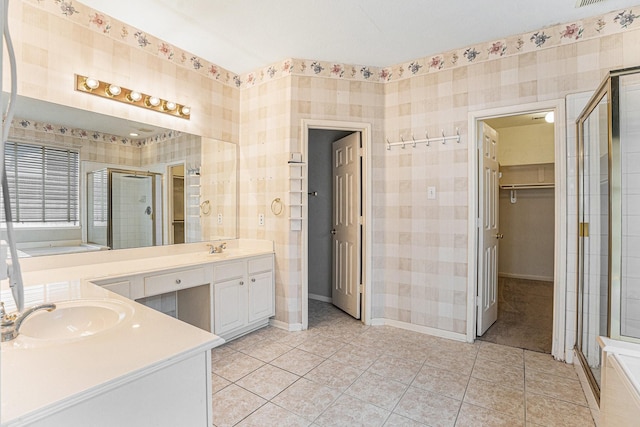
(75, 319)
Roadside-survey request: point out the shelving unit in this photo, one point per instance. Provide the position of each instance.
(296, 193)
(526, 177)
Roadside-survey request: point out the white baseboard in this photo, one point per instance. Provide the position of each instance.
(291, 327)
(526, 277)
(421, 329)
(320, 298)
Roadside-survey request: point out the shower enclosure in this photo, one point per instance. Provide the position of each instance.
(124, 208)
(609, 218)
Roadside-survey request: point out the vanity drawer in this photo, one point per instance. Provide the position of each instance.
(228, 271)
(256, 265)
(163, 283)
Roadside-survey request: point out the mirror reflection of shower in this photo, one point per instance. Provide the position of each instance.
(124, 208)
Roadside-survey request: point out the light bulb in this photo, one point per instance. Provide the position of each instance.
(90, 83)
(113, 90)
(185, 111)
(549, 117)
(134, 96)
(152, 101)
(169, 106)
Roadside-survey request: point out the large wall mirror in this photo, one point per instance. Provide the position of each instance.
(81, 181)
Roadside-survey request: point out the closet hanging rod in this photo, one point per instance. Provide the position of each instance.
(426, 140)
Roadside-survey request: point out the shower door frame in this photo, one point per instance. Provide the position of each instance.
(609, 87)
(153, 176)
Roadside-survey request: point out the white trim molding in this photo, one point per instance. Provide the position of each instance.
(419, 328)
(560, 215)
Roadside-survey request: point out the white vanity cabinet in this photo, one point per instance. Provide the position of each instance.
(229, 298)
(243, 295)
(183, 293)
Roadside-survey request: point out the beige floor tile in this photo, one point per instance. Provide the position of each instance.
(396, 420)
(428, 408)
(321, 346)
(271, 333)
(356, 357)
(294, 339)
(395, 368)
(450, 361)
(545, 363)
(377, 390)
(271, 415)
(413, 352)
(266, 350)
(221, 352)
(218, 383)
(236, 366)
(333, 374)
(232, 404)
(495, 397)
(347, 411)
(498, 372)
(267, 381)
(245, 342)
(306, 398)
(441, 381)
(560, 388)
(503, 354)
(476, 416)
(546, 411)
(297, 361)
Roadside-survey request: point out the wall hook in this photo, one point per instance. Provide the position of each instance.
(426, 136)
(458, 135)
(414, 141)
(402, 138)
(444, 138)
(388, 144)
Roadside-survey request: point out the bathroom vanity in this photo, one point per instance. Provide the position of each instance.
(140, 367)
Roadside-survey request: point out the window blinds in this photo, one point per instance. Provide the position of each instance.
(43, 183)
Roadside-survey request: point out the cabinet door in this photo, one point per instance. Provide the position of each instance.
(230, 305)
(261, 298)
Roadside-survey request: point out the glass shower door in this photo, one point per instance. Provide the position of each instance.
(132, 210)
(593, 243)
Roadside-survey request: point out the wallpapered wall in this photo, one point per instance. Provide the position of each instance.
(419, 245)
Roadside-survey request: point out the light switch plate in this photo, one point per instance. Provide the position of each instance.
(261, 219)
(431, 193)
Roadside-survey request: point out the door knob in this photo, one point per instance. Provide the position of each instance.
(499, 235)
(333, 231)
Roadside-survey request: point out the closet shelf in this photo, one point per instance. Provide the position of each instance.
(526, 186)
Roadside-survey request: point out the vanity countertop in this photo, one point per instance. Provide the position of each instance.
(39, 376)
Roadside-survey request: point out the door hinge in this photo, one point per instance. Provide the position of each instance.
(361, 151)
(478, 222)
(478, 301)
(361, 288)
(360, 220)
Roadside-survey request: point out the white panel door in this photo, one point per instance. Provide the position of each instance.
(346, 225)
(489, 235)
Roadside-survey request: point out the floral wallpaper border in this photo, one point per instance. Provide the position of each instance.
(89, 135)
(610, 23)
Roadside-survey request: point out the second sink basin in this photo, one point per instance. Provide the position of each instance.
(75, 319)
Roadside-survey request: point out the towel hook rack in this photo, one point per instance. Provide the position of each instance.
(414, 142)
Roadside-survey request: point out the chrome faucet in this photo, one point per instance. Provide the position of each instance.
(10, 323)
(217, 249)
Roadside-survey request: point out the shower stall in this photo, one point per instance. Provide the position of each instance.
(608, 219)
(124, 208)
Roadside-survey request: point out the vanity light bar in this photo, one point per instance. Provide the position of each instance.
(111, 91)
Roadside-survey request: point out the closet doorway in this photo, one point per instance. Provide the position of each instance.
(336, 240)
(516, 245)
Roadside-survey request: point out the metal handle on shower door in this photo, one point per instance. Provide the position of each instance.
(499, 236)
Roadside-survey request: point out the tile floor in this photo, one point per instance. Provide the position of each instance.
(342, 373)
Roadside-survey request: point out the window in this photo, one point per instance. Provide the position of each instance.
(43, 184)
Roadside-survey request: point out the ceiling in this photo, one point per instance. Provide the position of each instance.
(245, 35)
